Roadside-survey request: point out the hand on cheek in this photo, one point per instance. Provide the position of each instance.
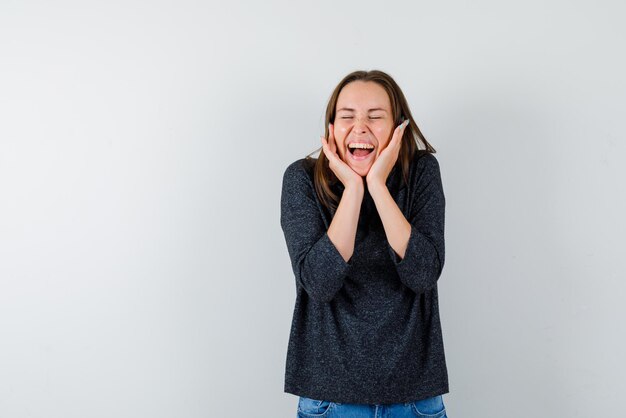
(342, 170)
(387, 157)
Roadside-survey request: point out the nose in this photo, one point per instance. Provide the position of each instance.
(359, 125)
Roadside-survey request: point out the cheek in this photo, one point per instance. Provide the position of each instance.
(383, 131)
(340, 137)
(340, 148)
(384, 135)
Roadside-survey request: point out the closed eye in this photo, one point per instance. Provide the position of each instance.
(350, 117)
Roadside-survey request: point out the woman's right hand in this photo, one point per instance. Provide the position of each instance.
(343, 171)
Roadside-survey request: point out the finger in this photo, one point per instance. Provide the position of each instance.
(324, 143)
(400, 131)
(326, 148)
(331, 134)
(401, 128)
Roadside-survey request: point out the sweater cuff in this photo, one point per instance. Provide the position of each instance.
(334, 259)
(326, 270)
(420, 262)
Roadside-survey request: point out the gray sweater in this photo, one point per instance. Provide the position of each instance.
(366, 330)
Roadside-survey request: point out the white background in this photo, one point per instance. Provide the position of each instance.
(143, 271)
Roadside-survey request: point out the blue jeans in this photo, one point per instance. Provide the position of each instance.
(424, 408)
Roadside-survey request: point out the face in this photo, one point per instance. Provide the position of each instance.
(363, 116)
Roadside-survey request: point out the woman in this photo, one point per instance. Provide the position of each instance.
(364, 227)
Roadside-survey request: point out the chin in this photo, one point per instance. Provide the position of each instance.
(360, 169)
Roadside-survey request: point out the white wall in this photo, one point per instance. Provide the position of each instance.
(143, 271)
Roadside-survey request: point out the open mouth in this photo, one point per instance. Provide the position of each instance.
(360, 153)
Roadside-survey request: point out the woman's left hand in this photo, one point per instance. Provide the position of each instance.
(379, 171)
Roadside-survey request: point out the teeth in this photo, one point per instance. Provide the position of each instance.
(362, 146)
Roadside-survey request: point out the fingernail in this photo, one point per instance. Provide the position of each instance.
(406, 122)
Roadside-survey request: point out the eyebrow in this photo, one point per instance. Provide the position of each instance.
(349, 109)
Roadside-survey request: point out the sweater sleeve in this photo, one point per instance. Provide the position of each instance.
(318, 266)
(424, 258)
